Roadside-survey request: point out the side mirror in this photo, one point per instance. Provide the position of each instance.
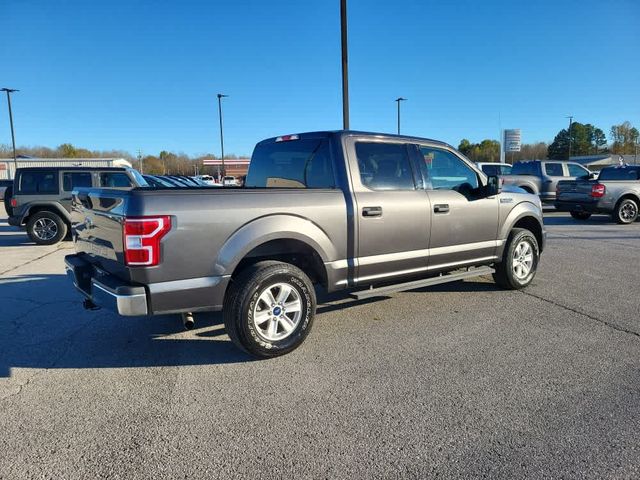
(494, 185)
(593, 175)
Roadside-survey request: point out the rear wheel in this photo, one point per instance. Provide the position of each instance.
(46, 228)
(269, 309)
(581, 215)
(626, 211)
(519, 261)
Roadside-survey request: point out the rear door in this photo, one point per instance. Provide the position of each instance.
(70, 181)
(464, 224)
(552, 173)
(392, 210)
(37, 185)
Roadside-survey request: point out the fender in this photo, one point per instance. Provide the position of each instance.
(53, 206)
(272, 227)
(520, 211)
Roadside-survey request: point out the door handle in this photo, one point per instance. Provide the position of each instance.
(441, 208)
(372, 211)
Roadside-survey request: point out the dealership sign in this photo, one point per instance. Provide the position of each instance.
(512, 140)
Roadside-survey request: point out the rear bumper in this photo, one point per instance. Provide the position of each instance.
(105, 290)
(110, 292)
(569, 206)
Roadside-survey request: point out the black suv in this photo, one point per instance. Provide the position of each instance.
(42, 196)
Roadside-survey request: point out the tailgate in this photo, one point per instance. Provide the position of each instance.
(574, 191)
(97, 216)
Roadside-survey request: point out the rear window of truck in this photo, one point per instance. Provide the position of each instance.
(619, 173)
(39, 182)
(291, 164)
(524, 168)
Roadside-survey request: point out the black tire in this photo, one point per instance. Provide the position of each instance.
(46, 228)
(8, 193)
(581, 215)
(505, 274)
(245, 298)
(626, 211)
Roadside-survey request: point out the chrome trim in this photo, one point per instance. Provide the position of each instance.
(126, 305)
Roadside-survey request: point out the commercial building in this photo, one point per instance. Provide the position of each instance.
(236, 167)
(7, 165)
(598, 162)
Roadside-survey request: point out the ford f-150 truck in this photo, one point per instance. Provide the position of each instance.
(615, 192)
(335, 210)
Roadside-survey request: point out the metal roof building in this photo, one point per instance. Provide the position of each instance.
(7, 166)
(597, 162)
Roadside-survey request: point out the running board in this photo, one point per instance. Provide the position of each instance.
(427, 282)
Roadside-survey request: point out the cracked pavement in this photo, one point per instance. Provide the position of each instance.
(462, 380)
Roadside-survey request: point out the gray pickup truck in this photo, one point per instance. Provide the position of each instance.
(542, 176)
(336, 210)
(616, 192)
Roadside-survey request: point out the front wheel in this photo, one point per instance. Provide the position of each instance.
(269, 309)
(519, 261)
(626, 212)
(581, 215)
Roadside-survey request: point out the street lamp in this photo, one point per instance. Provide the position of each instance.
(13, 137)
(570, 117)
(345, 61)
(398, 100)
(220, 96)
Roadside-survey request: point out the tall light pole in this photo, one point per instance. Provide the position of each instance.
(220, 96)
(13, 137)
(345, 61)
(398, 100)
(570, 117)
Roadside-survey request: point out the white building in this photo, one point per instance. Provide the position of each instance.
(7, 166)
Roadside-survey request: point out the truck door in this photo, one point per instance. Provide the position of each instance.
(464, 223)
(391, 210)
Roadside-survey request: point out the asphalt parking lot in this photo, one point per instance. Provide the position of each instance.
(462, 380)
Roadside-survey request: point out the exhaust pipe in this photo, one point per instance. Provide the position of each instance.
(188, 320)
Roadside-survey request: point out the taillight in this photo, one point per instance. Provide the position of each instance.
(287, 138)
(598, 190)
(14, 202)
(142, 237)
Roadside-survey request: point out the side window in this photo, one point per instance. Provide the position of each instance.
(75, 179)
(491, 169)
(39, 182)
(577, 170)
(114, 180)
(445, 171)
(553, 169)
(384, 166)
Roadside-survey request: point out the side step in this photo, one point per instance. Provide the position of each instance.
(427, 282)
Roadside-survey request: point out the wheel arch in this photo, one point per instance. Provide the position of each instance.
(524, 215)
(48, 207)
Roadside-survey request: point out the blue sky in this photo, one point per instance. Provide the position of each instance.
(143, 75)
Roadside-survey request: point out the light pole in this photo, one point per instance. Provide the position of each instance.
(398, 100)
(13, 137)
(570, 117)
(345, 61)
(220, 96)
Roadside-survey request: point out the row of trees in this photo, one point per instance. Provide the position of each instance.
(163, 163)
(586, 139)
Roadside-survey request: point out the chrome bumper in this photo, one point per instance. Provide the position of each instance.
(105, 290)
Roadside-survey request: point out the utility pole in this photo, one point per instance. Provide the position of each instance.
(345, 61)
(140, 161)
(220, 97)
(570, 117)
(13, 137)
(398, 100)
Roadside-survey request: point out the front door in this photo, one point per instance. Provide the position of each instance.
(391, 209)
(464, 223)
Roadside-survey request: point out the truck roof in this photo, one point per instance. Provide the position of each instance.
(346, 133)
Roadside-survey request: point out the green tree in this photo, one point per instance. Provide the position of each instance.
(585, 139)
(485, 151)
(66, 150)
(624, 138)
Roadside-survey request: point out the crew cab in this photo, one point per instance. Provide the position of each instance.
(371, 213)
(616, 192)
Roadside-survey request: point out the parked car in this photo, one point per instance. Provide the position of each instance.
(42, 196)
(495, 168)
(335, 210)
(207, 179)
(615, 192)
(541, 176)
(229, 181)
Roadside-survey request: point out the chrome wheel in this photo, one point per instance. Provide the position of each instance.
(277, 312)
(522, 260)
(45, 229)
(628, 211)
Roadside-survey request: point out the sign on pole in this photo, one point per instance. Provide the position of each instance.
(512, 140)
